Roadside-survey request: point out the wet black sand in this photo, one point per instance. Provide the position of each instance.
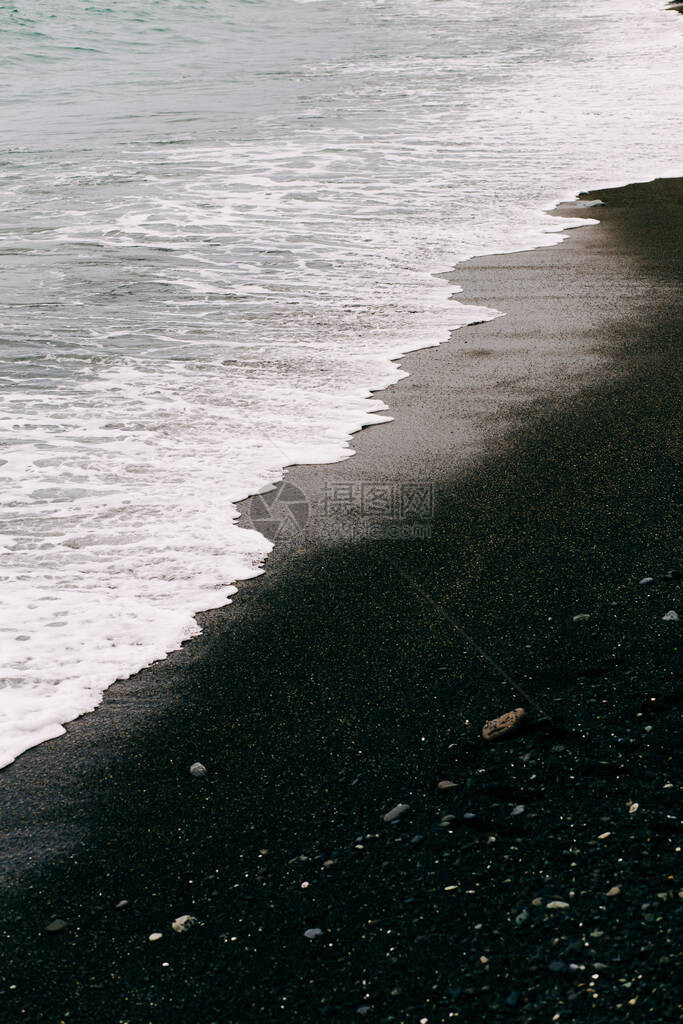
(336, 686)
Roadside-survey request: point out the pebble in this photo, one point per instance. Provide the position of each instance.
(121, 904)
(522, 917)
(445, 785)
(313, 933)
(184, 923)
(197, 770)
(512, 999)
(56, 926)
(517, 809)
(557, 966)
(581, 617)
(645, 581)
(672, 574)
(557, 905)
(633, 808)
(504, 725)
(670, 616)
(395, 813)
(614, 891)
(155, 936)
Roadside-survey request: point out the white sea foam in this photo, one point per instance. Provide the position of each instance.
(215, 245)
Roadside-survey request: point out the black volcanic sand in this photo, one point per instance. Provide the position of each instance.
(542, 885)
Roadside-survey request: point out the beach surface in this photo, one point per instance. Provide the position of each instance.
(529, 477)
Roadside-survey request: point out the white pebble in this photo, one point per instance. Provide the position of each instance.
(197, 770)
(313, 933)
(670, 616)
(645, 580)
(395, 813)
(582, 617)
(155, 936)
(557, 905)
(183, 923)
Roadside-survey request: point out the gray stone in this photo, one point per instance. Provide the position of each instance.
(197, 770)
(670, 616)
(57, 925)
(395, 813)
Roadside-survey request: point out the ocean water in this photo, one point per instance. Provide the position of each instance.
(221, 222)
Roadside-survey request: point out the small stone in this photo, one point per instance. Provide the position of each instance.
(57, 925)
(557, 905)
(670, 616)
(522, 917)
(313, 933)
(604, 835)
(395, 813)
(646, 580)
(633, 808)
(672, 574)
(512, 999)
(197, 770)
(184, 923)
(581, 617)
(517, 809)
(614, 891)
(155, 936)
(505, 725)
(557, 966)
(445, 785)
(121, 904)
(537, 902)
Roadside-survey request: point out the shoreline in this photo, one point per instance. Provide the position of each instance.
(569, 208)
(285, 672)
